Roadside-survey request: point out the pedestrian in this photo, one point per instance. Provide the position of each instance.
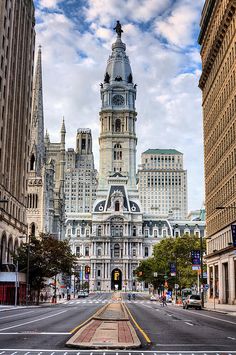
(164, 301)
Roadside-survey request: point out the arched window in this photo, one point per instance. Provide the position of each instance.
(10, 251)
(117, 152)
(116, 251)
(117, 206)
(3, 249)
(118, 125)
(33, 229)
(32, 162)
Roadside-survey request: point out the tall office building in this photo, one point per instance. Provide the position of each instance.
(80, 175)
(17, 41)
(163, 184)
(218, 84)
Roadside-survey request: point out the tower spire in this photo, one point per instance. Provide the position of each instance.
(37, 130)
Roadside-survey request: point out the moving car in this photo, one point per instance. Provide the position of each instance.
(193, 301)
(83, 294)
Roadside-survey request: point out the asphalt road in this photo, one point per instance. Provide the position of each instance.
(174, 328)
(46, 329)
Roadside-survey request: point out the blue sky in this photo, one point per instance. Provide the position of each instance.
(161, 39)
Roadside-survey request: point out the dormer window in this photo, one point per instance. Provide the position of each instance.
(117, 206)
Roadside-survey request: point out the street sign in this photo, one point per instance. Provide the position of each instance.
(176, 286)
(206, 287)
(205, 275)
(196, 267)
(172, 269)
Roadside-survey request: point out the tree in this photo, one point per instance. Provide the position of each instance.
(171, 250)
(47, 258)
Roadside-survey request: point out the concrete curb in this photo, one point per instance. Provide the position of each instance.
(104, 332)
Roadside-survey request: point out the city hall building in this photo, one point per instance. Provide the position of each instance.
(111, 240)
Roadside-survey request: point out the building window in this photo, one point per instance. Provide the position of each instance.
(134, 231)
(99, 252)
(116, 251)
(77, 251)
(146, 251)
(86, 251)
(99, 231)
(117, 152)
(118, 126)
(134, 252)
(146, 233)
(99, 273)
(155, 233)
(117, 206)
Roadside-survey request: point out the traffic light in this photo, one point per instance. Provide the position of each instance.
(87, 269)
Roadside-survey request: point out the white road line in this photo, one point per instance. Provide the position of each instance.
(32, 321)
(52, 353)
(189, 323)
(15, 352)
(231, 338)
(205, 315)
(32, 333)
(78, 353)
(17, 314)
(2, 352)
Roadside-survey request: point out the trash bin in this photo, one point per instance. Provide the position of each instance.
(68, 297)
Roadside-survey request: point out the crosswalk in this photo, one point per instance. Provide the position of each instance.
(108, 352)
(103, 301)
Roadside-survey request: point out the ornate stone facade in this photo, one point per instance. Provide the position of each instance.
(16, 81)
(218, 84)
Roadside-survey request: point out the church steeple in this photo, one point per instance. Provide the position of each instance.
(37, 148)
(118, 117)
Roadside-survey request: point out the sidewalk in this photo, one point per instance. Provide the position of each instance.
(109, 328)
(221, 308)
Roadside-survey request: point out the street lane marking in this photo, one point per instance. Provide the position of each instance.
(87, 320)
(231, 338)
(189, 324)
(33, 333)
(17, 314)
(140, 329)
(205, 315)
(32, 321)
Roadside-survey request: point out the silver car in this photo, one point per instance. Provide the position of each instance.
(193, 301)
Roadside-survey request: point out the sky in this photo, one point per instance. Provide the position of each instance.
(161, 42)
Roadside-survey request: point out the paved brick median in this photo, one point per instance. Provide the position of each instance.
(124, 333)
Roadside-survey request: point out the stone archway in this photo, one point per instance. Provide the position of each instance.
(116, 279)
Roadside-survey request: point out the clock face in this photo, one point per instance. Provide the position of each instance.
(118, 100)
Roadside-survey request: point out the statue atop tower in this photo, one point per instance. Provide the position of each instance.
(118, 28)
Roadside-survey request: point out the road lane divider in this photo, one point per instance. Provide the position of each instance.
(146, 337)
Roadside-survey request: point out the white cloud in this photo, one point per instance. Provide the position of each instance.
(177, 28)
(49, 3)
(168, 99)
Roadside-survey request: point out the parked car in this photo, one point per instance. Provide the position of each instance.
(83, 294)
(193, 301)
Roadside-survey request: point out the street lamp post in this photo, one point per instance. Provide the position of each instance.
(201, 266)
(27, 271)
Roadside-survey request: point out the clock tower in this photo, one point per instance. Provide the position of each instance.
(117, 238)
(118, 117)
